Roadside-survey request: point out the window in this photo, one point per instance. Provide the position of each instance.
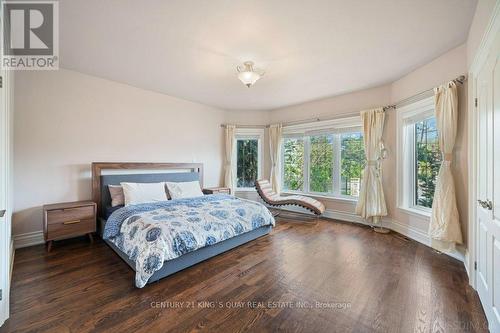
(352, 161)
(248, 161)
(293, 164)
(321, 164)
(248, 150)
(323, 159)
(419, 156)
(427, 161)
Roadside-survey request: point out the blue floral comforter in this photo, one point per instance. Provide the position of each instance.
(152, 233)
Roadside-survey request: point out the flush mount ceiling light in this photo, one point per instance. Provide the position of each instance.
(248, 74)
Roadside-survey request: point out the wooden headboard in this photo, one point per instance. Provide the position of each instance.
(98, 167)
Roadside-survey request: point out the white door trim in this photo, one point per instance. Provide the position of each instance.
(480, 58)
(6, 168)
(6, 127)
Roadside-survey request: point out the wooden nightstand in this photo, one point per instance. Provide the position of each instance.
(69, 219)
(216, 190)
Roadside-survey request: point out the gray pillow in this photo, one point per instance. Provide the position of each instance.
(117, 196)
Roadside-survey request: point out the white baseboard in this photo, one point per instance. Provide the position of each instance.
(28, 239)
(408, 231)
(403, 229)
(343, 216)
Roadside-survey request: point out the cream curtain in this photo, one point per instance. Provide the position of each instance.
(229, 158)
(444, 228)
(275, 133)
(371, 202)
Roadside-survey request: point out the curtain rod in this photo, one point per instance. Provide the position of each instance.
(461, 79)
(426, 93)
(245, 126)
(311, 120)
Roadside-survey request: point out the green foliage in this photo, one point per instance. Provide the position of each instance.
(247, 163)
(321, 164)
(428, 160)
(352, 160)
(293, 164)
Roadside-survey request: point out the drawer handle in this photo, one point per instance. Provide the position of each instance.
(72, 222)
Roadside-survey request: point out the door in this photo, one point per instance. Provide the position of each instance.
(488, 186)
(5, 151)
(6, 125)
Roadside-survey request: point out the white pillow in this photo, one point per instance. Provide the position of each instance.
(137, 193)
(184, 190)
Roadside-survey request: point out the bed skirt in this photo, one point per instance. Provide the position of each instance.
(192, 258)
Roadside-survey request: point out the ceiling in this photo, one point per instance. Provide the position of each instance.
(309, 49)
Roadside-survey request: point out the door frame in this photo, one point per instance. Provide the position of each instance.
(6, 142)
(480, 58)
(7, 248)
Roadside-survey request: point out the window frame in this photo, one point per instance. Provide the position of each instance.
(407, 116)
(248, 134)
(282, 164)
(335, 127)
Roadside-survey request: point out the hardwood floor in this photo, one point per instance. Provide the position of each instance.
(329, 277)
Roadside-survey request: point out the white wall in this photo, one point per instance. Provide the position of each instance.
(443, 69)
(66, 120)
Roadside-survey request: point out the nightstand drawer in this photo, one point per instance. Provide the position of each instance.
(70, 228)
(70, 214)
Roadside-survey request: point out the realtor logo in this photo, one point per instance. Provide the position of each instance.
(30, 39)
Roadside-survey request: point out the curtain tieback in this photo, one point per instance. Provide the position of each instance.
(448, 157)
(372, 162)
(227, 164)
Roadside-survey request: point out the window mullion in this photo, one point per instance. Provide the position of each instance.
(307, 157)
(235, 166)
(282, 164)
(259, 158)
(413, 167)
(336, 164)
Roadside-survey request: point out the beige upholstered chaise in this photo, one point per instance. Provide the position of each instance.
(265, 190)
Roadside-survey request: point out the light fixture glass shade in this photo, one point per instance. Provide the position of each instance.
(249, 75)
(248, 78)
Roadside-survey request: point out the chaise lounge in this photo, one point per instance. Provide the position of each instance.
(265, 190)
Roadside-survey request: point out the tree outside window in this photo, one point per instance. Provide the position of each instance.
(334, 162)
(428, 160)
(351, 163)
(293, 164)
(247, 167)
(321, 164)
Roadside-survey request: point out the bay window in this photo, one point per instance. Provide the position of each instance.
(323, 159)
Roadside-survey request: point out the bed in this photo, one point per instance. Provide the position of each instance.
(162, 238)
